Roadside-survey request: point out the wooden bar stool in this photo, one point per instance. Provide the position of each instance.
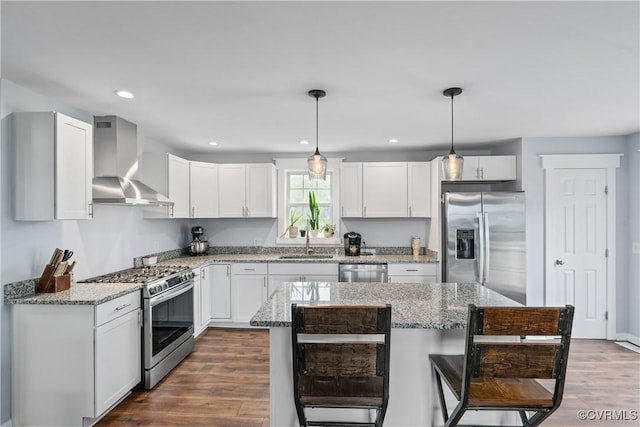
(503, 376)
(341, 360)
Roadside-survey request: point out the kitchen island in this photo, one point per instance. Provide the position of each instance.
(425, 318)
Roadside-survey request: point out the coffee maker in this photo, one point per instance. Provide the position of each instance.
(198, 245)
(352, 243)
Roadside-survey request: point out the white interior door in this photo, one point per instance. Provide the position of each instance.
(577, 247)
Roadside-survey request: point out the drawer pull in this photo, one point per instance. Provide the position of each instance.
(122, 307)
(249, 269)
(411, 269)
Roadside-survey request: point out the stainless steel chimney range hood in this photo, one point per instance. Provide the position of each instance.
(115, 149)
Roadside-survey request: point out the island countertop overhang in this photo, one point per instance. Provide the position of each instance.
(413, 305)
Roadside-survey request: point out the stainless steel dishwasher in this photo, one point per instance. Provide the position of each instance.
(374, 272)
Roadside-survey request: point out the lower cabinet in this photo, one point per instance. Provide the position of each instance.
(220, 275)
(72, 363)
(413, 273)
(248, 290)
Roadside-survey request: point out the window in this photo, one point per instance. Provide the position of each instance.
(298, 188)
(294, 187)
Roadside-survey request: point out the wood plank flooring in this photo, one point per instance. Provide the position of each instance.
(225, 383)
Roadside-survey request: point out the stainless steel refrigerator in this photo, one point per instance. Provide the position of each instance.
(484, 241)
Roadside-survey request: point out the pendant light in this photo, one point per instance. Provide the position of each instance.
(317, 163)
(452, 163)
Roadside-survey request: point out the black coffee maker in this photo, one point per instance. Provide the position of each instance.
(352, 243)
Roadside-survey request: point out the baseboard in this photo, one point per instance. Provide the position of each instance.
(625, 337)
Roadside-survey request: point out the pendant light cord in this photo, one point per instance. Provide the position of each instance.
(316, 124)
(451, 122)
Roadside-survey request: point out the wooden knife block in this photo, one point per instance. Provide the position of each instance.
(50, 283)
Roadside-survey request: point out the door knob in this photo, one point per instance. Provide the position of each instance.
(559, 262)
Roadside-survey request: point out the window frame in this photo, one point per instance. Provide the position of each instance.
(286, 166)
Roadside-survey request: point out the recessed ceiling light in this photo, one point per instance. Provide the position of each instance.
(304, 142)
(213, 143)
(124, 94)
(393, 141)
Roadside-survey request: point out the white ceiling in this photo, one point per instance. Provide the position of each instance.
(238, 72)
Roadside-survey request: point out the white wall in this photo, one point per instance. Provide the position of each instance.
(633, 300)
(107, 243)
(533, 185)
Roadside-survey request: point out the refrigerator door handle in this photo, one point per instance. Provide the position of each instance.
(487, 248)
(480, 261)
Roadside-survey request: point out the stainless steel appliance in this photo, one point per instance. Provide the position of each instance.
(374, 272)
(352, 243)
(198, 245)
(484, 241)
(167, 329)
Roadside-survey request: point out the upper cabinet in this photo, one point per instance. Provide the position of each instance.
(54, 167)
(351, 190)
(178, 185)
(419, 189)
(247, 190)
(386, 190)
(203, 194)
(489, 168)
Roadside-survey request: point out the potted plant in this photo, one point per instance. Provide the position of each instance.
(292, 228)
(314, 215)
(329, 230)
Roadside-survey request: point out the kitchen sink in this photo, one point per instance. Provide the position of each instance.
(305, 256)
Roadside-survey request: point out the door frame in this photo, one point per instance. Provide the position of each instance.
(610, 162)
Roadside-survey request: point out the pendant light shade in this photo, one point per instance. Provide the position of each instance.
(317, 163)
(452, 163)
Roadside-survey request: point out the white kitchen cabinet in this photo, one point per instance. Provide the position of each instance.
(203, 189)
(197, 298)
(178, 193)
(79, 365)
(419, 189)
(249, 289)
(220, 292)
(384, 189)
(489, 168)
(53, 167)
(170, 174)
(247, 190)
(351, 190)
(204, 295)
(413, 272)
(280, 273)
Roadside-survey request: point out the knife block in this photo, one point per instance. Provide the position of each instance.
(50, 283)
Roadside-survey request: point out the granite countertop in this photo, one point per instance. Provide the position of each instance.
(79, 294)
(198, 261)
(413, 305)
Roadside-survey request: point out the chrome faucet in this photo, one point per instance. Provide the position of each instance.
(308, 250)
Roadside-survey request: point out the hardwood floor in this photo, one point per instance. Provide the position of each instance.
(225, 383)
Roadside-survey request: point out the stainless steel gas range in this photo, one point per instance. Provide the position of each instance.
(167, 330)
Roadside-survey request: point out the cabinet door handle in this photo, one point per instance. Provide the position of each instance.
(228, 270)
(365, 211)
(342, 208)
(90, 210)
(410, 212)
(122, 307)
(247, 208)
(411, 269)
(482, 173)
(202, 273)
(249, 269)
(171, 211)
(193, 212)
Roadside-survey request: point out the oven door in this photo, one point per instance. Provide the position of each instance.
(168, 322)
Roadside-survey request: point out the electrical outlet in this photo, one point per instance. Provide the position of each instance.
(635, 248)
(257, 242)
